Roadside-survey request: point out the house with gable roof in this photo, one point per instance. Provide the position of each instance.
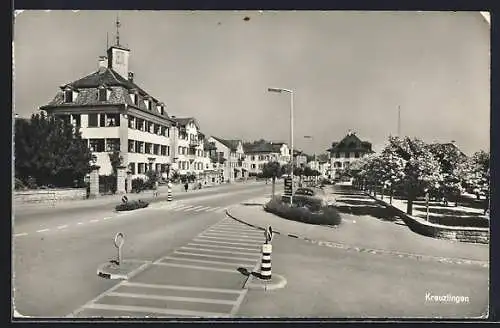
(259, 153)
(230, 158)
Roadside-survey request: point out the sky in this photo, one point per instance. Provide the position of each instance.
(348, 70)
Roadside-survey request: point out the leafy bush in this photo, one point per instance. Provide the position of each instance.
(131, 205)
(325, 215)
(138, 185)
(461, 221)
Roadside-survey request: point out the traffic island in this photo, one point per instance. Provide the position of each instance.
(276, 282)
(122, 271)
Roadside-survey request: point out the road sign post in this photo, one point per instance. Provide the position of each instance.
(118, 241)
(427, 205)
(288, 189)
(124, 199)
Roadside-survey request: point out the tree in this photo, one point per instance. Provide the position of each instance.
(272, 170)
(477, 174)
(421, 170)
(116, 161)
(50, 150)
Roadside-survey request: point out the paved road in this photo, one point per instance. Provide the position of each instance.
(56, 257)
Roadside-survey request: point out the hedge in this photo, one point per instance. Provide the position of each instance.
(326, 215)
(131, 205)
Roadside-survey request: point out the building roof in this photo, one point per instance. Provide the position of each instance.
(231, 144)
(351, 142)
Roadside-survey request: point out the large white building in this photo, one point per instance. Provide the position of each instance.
(230, 158)
(115, 114)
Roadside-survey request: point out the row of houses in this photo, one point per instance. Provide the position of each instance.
(114, 113)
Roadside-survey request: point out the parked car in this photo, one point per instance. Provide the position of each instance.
(312, 197)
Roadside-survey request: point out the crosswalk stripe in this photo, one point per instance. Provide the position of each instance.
(246, 232)
(218, 256)
(193, 208)
(233, 234)
(183, 207)
(218, 251)
(175, 287)
(187, 266)
(204, 261)
(226, 247)
(203, 208)
(220, 210)
(147, 309)
(171, 298)
(213, 209)
(232, 239)
(175, 206)
(222, 242)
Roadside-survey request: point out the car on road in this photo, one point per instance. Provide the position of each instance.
(315, 197)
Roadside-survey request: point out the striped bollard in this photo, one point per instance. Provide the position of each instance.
(169, 195)
(267, 249)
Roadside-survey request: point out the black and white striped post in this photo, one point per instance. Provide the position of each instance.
(169, 192)
(267, 249)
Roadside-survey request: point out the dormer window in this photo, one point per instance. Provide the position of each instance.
(68, 95)
(134, 96)
(102, 93)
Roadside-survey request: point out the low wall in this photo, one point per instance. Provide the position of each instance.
(420, 226)
(48, 195)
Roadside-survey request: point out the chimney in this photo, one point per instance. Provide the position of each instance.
(131, 76)
(103, 62)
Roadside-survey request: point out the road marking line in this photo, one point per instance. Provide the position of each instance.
(172, 298)
(146, 309)
(203, 261)
(198, 206)
(203, 208)
(80, 223)
(213, 209)
(94, 220)
(231, 239)
(183, 208)
(176, 206)
(242, 229)
(216, 251)
(196, 267)
(220, 210)
(231, 225)
(227, 247)
(218, 256)
(20, 234)
(191, 208)
(242, 235)
(196, 289)
(43, 230)
(106, 218)
(222, 242)
(62, 227)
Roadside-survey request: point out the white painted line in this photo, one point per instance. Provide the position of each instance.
(196, 267)
(220, 210)
(177, 206)
(213, 209)
(232, 239)
(203, 261)
(106, 218)
(217, 251)
(197, 207)
(94, 220)
(183, 208)
(62, 227)
(203, 208)
(226, 247)
(172, 298)
(231, 225)
(43, 230)
(146, 309)
(222, 242)
(20, 234)
(80, 223)
(218, 256)
(242, 235)
(190, 208)
(244, 230)
(175, 287)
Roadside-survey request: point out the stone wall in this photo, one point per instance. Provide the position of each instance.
(420, 226)
(49, 195)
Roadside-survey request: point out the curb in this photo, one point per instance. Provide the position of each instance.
(124, 276)
(263, 284)
(439, 259)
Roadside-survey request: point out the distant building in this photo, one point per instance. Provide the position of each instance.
(230, 157)
(346, 151)
(257, 154)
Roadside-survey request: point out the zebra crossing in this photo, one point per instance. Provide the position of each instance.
(186, 207)
(201, 278)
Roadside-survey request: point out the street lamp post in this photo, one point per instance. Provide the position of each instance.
(281, 90)
(316, 165)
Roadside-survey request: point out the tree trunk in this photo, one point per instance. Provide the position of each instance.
(457, 199)
(382, 193)
(409, 205)
(274, 180)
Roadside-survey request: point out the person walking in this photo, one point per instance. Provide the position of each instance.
(186, 185)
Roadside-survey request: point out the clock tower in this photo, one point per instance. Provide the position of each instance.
(118, 55)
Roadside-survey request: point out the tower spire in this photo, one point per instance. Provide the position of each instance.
(118, 25)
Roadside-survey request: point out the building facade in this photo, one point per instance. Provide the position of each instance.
(346, 151)
(229, 157)
(115, 115)
(260, 153)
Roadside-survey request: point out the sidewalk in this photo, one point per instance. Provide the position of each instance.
(147, 195)
(362, 232)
